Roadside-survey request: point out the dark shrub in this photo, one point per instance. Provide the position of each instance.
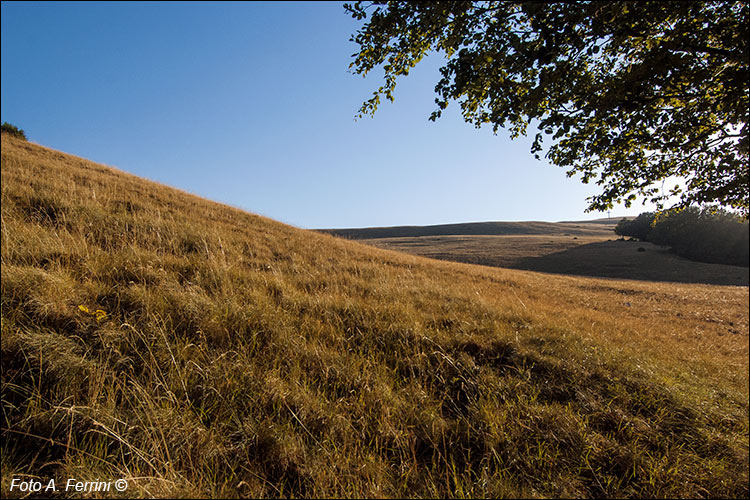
(638, 228)
(7, 128)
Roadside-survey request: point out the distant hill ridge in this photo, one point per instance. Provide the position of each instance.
(478, 228)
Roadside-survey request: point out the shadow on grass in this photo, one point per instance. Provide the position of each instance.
(622, 259)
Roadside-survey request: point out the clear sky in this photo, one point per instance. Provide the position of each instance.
(252, 104)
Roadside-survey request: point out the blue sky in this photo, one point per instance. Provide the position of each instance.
(252, 104)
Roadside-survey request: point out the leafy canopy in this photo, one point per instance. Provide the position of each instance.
(628, 94)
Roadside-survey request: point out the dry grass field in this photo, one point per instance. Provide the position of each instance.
(602, 255)
(236, 356)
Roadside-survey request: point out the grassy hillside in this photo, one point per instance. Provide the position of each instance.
(237, 356)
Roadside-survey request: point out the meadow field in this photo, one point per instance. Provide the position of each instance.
(193, 349)
(604, 255)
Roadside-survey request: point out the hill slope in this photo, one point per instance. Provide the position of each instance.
(233, 355)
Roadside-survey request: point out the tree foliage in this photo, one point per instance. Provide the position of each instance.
(702, 234)
(627, 94)
(640, 227)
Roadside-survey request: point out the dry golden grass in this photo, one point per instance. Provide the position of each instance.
(243, 357)
(490, 250)
(594, 255)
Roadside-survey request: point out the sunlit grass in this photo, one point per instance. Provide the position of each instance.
(237, 356)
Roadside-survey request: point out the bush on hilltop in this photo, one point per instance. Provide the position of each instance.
(7, 128)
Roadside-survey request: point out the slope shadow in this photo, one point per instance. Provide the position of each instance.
(622, 259)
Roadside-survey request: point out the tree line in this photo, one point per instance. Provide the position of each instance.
(701, 234)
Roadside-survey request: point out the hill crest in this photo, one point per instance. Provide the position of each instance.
(490, 228)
